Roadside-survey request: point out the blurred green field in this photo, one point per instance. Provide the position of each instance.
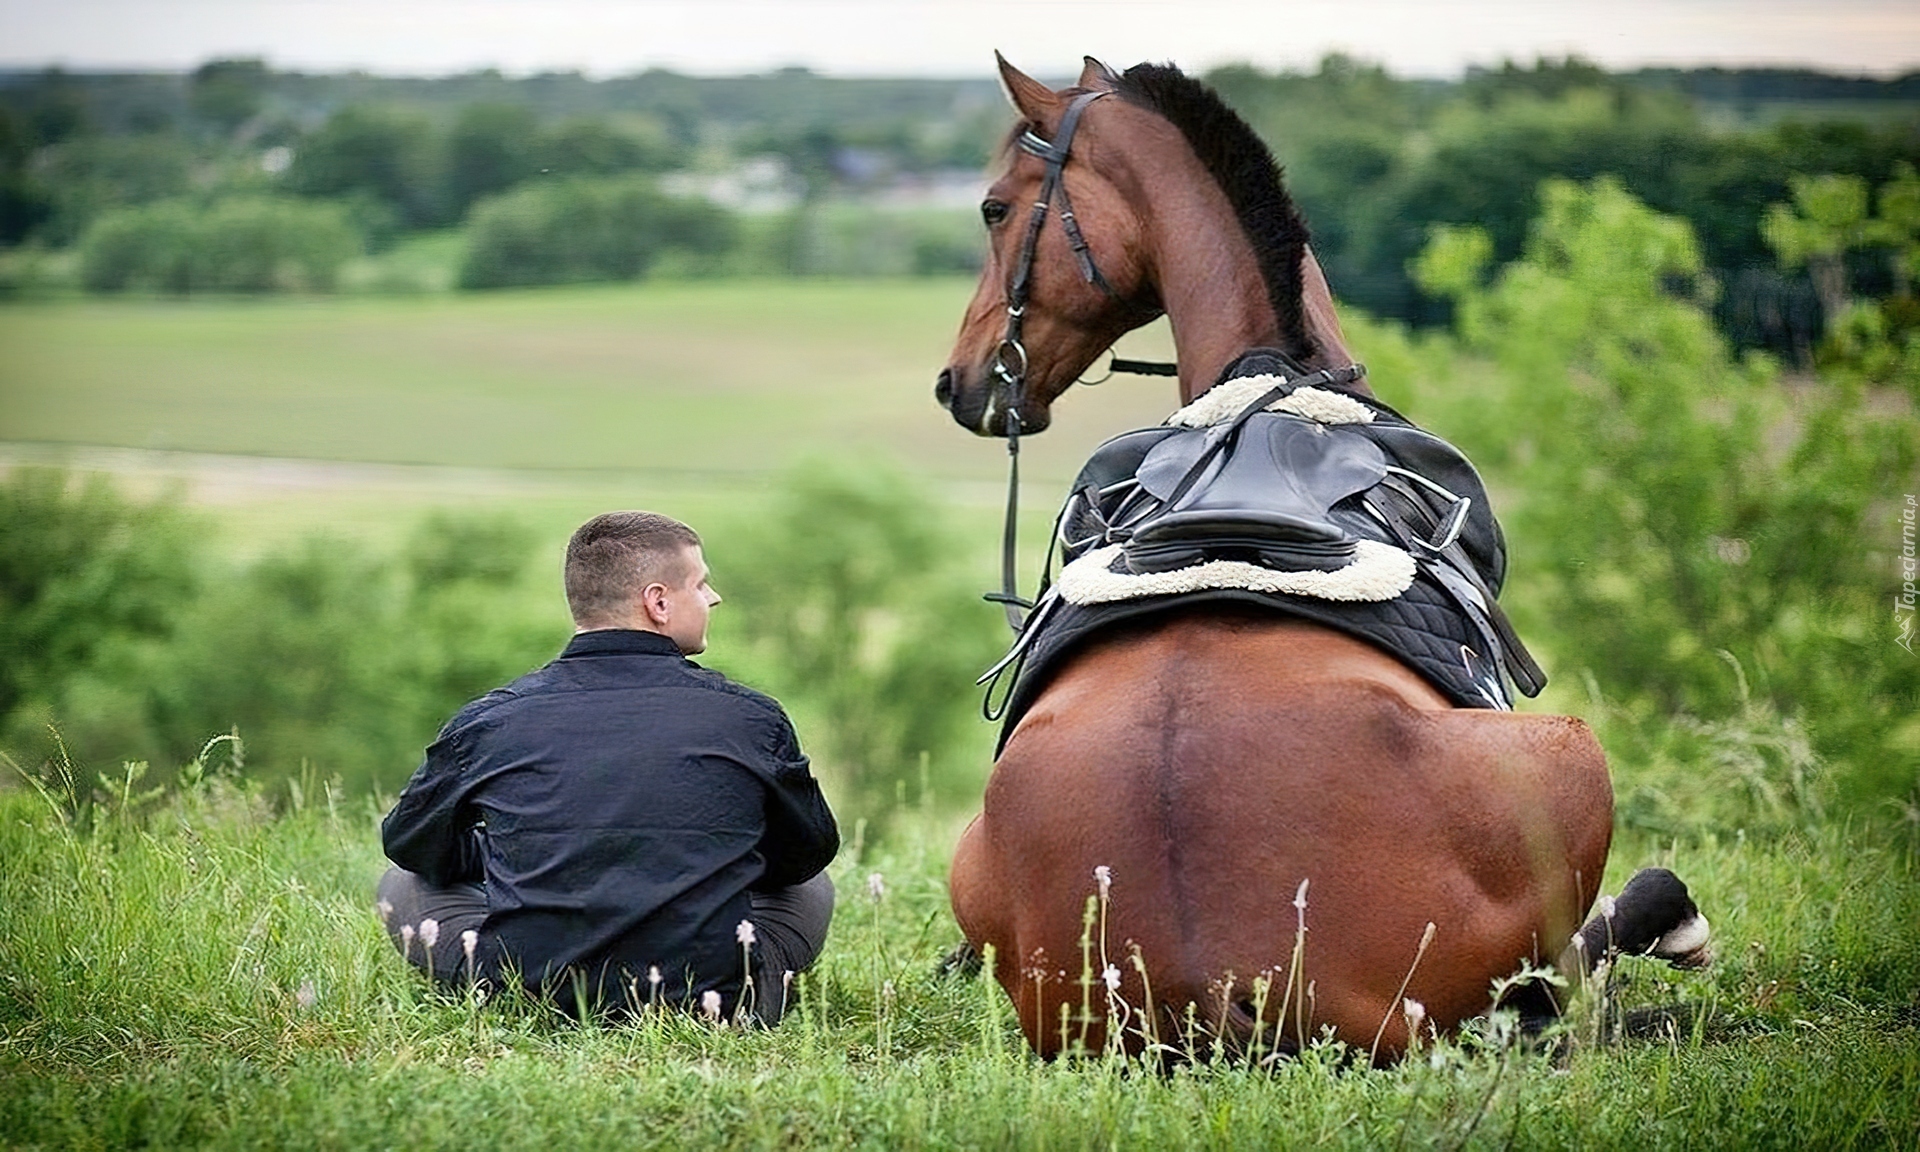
(681, 391)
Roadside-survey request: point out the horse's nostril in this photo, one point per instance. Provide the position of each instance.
(943, 388)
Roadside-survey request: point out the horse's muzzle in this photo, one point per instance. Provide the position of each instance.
(971, 408)
(976, 409)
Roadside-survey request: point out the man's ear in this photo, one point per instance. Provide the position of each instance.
(1032, 99)
(655, 606)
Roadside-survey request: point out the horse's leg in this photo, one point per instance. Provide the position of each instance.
(1556, 768)
(968, 887)
(965, 958)
(1553, 768)
(1551, 775)
(979, 901)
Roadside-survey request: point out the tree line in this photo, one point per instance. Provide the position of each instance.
(541, 172)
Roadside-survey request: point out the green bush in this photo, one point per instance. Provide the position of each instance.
(1711, 545)
(850, 602)
(589, 146)
(386, 155)
(82, 571)
(348, 660)
(90, 175)
(253, 244)
(490, 149)
(586, 229)
(847, 599)
(325, 656)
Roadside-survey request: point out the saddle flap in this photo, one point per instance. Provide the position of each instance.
(1119, 458)
(1421, 452)
(1279, 463)
(1266, 496)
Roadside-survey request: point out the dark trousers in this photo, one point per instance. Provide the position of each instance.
(790, 928)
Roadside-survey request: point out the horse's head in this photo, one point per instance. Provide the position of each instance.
(1071, 305)
(1123, 197)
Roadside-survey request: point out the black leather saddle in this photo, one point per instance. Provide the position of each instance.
(1291, 493)
(1257, 490)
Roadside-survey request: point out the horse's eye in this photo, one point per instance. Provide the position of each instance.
(993, 211)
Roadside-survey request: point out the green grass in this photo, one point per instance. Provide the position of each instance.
(152, 967)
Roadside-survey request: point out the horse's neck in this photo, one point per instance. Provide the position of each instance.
(1216, 299)
(1323, 324)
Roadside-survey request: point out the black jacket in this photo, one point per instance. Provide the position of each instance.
(619, 804)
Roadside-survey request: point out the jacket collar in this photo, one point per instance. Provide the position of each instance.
(620, 642)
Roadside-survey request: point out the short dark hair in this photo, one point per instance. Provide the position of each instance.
(616, 554)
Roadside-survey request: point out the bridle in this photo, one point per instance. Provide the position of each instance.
(1010, 362)
(1010, 357)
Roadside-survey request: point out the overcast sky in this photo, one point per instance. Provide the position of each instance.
(950, 37)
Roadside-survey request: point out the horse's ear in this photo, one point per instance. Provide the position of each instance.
(1095, 76)
(1032, 98)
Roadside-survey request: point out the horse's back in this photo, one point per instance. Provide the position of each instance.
(1215, 762)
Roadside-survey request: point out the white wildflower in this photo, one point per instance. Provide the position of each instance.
(406, 941)
(1606, 907)
(429, 932)
(1103, 876)
(1111, 977)
(654, 977)
(1300, 897)
(876, 885)
(385, 909)
(469, 940)
(710, 1004)
(744, 933)
(1416, 1013)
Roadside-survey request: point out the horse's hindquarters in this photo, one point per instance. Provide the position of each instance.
(1213, 766)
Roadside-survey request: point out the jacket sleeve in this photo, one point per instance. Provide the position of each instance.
(802, 837)
(431, 830)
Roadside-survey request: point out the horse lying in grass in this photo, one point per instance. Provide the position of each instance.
(1213, 821)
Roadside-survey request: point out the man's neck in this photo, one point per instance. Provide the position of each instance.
(617, 626)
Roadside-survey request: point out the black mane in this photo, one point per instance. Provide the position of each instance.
(1246, 171)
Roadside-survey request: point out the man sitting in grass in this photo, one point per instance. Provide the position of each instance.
(621, 827)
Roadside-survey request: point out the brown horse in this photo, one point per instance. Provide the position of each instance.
(1294, 825)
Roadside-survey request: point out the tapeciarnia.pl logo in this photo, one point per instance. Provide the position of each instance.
(1904, 603)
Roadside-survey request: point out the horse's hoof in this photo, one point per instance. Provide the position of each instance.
(1688, 946)
(1687, 943)
(1652, 916)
